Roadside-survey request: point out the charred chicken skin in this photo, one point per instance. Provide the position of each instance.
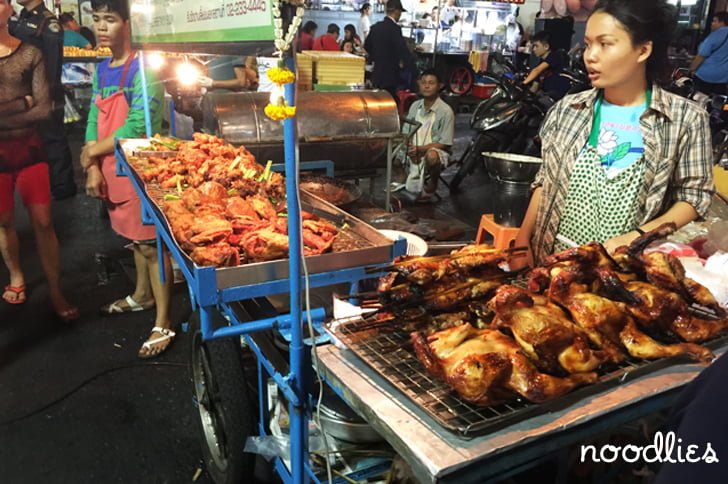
(546, 335)
(486, 367)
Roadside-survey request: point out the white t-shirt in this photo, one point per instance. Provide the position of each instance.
(364, 26)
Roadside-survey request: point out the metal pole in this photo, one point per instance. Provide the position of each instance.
(299, 424)
(388, 200)
(145, 96)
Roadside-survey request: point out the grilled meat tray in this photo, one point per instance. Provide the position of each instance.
(386, 348)
(358, 244)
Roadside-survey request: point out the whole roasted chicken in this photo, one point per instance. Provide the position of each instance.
(486, 367)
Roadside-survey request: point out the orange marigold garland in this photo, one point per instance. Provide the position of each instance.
(278, 109)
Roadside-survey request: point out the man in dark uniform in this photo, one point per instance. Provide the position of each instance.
(39, 27)
(387, 49)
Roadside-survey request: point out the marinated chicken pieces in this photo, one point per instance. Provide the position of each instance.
(486, 367)
(227, 203)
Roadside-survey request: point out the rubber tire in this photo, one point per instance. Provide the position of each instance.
(232, 407)
(470, 159)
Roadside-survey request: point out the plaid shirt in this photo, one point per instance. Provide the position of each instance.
(678, 159)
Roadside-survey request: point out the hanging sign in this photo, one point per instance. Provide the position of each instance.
(200, 21)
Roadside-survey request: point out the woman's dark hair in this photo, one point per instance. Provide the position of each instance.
(309, 27)
(113, 6)
(646, 21)
(365, 7)
(350, 29)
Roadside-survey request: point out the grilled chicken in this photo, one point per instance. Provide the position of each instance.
(610, 326)
(544, 332)
(486, 367)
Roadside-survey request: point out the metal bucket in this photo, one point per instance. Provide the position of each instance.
(512, 168)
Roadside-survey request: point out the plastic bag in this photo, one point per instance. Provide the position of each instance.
(415, 178)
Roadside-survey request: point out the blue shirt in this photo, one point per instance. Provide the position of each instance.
(74, 39)
(715, 51)
(620, 138)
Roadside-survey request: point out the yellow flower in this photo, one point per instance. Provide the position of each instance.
(279, 112)
(281, 75)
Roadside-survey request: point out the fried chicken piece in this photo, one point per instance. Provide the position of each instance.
(219, 254)
(264, 244)
(486, 367)
(209, 228)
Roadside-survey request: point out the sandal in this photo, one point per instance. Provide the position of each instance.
(19, 292)
(131, 306)
(167, 335)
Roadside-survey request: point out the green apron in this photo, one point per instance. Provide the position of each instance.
(597, 207)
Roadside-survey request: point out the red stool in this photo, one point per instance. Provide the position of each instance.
(405, 99)
(503, 237)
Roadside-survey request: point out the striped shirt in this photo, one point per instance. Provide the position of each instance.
(678, 159)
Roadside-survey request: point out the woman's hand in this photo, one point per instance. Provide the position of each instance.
(612, 244)
(95, 182)
(29, 102)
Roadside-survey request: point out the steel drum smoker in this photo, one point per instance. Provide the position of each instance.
(353, 129)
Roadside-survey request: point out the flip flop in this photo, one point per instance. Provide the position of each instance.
(167, 334)
(131, 307)
(19, 292)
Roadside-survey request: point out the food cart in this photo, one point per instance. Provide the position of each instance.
(376, 376)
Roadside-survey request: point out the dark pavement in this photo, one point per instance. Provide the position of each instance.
(76, 404)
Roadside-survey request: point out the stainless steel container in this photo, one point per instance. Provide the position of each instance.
(349, 128)
(512, 168)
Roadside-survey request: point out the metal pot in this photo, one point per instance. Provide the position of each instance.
(342, 423)
(512, 168)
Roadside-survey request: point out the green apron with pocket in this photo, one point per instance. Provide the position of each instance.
(599, 208)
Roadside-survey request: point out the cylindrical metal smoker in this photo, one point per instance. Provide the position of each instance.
(352, 129)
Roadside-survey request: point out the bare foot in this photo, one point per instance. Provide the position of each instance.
(63, 309)
(158, 341)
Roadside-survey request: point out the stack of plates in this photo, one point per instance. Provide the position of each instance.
(415, 245)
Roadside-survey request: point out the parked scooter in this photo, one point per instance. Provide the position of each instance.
(717, 107)
(508, 121)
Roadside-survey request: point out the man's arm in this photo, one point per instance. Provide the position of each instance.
(42, 107)
(15, 106)
(697, 62)
(533, 75)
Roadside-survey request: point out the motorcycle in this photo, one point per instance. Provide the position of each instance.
(508, 121)
(717, 107)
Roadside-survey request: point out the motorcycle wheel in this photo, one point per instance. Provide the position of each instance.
(471, 157)
(225, 412)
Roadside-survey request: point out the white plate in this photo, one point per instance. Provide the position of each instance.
(415, 245)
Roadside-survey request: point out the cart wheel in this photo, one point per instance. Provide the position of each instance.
(461, 81)
(225, 413)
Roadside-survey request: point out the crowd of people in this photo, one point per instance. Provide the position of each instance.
(35, 160)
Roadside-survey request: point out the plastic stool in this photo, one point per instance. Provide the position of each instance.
(503, 237)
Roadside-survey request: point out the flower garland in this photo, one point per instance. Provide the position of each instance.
(278, 109)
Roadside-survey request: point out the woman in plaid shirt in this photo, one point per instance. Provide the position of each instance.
(627, 155)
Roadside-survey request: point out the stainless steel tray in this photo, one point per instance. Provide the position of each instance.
(370, 246)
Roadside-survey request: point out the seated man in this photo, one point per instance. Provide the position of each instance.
(71, 33)
(431, 143)
(329, 40)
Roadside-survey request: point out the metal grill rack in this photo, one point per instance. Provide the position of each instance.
(387, 349)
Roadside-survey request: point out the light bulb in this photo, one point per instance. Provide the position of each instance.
(187, 74)
(155, 60)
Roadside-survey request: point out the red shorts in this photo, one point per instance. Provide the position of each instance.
(33, 185)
